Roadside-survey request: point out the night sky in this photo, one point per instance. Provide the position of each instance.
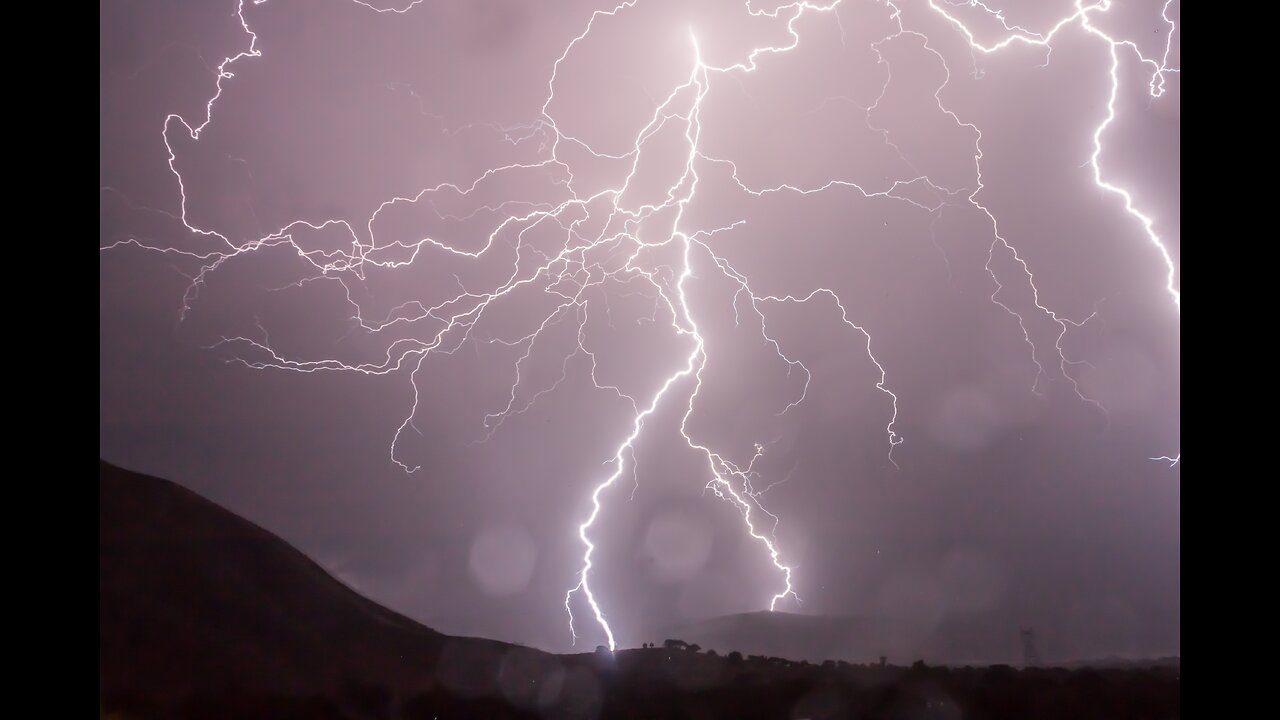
(1022, 488)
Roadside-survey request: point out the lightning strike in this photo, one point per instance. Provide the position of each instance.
(1156, 89)
(586, 266)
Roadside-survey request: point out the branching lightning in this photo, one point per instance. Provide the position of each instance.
(1018, 35)
(589, 265)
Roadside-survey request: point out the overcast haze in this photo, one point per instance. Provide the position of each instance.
(1011, 496)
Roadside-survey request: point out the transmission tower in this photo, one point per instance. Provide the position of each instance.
(1030, 657)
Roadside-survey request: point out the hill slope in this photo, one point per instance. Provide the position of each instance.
(194, 597)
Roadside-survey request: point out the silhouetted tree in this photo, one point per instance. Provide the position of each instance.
(674, 644)
(735, 658)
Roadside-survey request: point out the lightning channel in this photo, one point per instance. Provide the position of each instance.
(586, 266)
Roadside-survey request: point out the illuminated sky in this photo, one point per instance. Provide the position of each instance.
(481, 240)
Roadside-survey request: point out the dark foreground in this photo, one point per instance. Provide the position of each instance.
(205, 615)
(652, 685)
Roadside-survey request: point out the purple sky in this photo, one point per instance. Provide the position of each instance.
(1015, 494)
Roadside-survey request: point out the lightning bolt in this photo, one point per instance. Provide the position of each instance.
(1159, 68)
(623, 253)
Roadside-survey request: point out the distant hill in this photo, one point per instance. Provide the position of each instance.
(193, 597)
(977, 639)
(971, 641)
